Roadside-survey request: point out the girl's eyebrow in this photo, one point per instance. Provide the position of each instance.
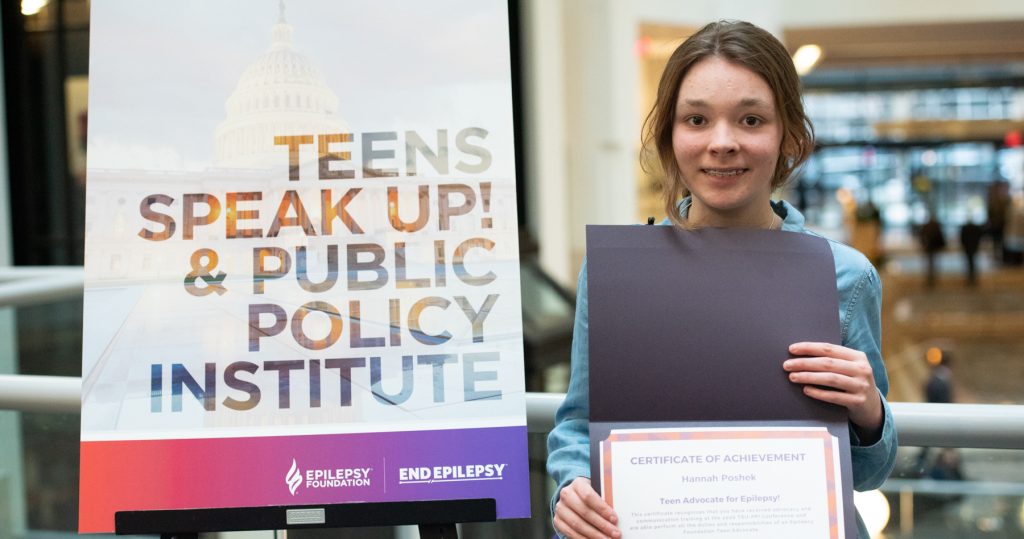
(754, 102)
(745, 102)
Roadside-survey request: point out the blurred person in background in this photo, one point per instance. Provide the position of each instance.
(946, 465)
(866, 236)
(1013, 239)
(932, 242)
(939, 387)
(997, 204)
(970, 241)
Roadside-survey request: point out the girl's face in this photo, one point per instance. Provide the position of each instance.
(726, 138)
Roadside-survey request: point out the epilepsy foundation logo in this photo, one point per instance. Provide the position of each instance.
(326, 478)
(294, 478)
(451, 474)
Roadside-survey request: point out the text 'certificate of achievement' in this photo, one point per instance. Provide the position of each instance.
(724, 482)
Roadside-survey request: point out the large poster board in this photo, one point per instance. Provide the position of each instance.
(302, 279)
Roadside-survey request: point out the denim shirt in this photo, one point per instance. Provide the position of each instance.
(860, 304)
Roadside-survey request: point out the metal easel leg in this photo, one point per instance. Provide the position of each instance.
(438, 531)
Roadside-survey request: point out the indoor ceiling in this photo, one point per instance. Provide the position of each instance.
(942, 55)
(920, 55)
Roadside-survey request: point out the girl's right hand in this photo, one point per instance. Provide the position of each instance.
(582, 513)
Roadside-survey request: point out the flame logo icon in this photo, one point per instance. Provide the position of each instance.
(294, 478)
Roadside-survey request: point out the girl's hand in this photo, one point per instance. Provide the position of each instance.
(581, 512)
(839, 375)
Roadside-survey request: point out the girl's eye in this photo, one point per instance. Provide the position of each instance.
(695, 120)
(752, 121)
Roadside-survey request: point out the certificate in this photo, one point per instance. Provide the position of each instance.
(724, 482)
(690, 329)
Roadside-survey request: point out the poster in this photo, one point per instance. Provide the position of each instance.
(302, 280)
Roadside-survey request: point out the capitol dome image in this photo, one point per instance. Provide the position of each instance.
(281, 93)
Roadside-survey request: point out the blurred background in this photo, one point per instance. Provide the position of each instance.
(919, 114)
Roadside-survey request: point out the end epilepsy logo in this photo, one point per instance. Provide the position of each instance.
(451, 474)
(294, 478)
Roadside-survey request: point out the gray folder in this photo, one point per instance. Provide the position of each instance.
(692, 327)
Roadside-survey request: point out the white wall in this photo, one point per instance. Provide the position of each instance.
(581, 83)
(544, 104)
(601, 72)
(764, 13)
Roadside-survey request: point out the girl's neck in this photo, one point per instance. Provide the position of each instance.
(762, 216)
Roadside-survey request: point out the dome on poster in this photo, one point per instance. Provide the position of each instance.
(281, 93)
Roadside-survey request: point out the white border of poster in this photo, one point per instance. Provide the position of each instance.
(302, 279)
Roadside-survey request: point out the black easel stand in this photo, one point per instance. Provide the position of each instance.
(438, 531)
(436, 518)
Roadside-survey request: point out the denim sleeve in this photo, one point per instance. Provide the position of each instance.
(862, 330)
(569, 441)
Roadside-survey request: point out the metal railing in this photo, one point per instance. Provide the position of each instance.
(936, 425)
(974, 426)
(27, 285)
(983, 426)
(29, 393)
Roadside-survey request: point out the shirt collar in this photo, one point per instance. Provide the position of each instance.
(792, 219)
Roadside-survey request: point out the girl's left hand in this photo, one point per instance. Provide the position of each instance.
(839, 375)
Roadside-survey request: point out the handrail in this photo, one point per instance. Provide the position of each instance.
(951, 487)
(989, 426)
(30, 393)
(26, 285)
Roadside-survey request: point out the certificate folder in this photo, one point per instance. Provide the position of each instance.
(692, 327)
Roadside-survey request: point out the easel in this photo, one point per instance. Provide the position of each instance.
(436, 518)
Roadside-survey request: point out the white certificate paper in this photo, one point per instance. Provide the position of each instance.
(724, 482)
